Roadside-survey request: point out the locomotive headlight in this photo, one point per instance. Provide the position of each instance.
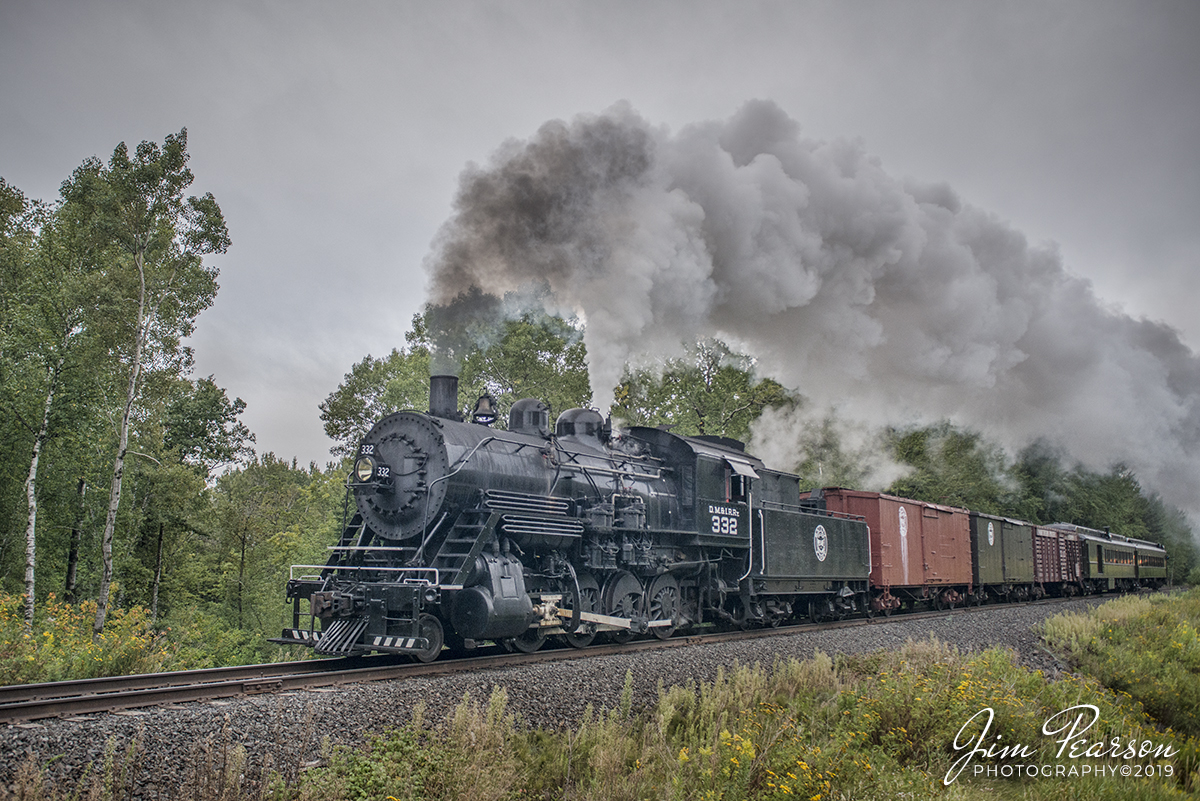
(364, 469)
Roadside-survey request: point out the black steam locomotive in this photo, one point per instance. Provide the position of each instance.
(463, 532)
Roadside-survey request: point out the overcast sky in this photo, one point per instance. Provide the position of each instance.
(333, 134)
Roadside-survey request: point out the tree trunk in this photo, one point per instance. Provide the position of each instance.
(157, 576)
(31, 494)
(73, 550)
(114, 498)
(242, 578)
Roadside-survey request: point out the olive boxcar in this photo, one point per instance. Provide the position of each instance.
(1002, 555)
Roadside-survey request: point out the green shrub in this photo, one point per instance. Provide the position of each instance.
(61, 645)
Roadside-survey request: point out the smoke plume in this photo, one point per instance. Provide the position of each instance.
(891, 300)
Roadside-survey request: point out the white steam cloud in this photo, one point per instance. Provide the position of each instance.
(889, 299)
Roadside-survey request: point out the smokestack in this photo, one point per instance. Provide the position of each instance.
(443, 397)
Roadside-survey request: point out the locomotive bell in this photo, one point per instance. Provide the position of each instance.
(485, 410)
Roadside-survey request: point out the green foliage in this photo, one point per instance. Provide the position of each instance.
(202, 426)
(1040, 477)
(264, 518)
(1146, 647)
(950, 466)
(829, 460)
(956, 467)
(61, 647)
(132, 215)
(534, 355)
(151, 243)
(473, 757)
(107, 282)
(399, 764)
(712, 391)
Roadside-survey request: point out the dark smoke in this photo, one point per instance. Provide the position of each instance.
(890, 300)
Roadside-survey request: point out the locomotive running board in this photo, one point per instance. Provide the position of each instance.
(296, 637)
(398, 644)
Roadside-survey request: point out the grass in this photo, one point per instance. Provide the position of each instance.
(881, 726)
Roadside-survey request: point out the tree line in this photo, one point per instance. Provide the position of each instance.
(129, 482)
(114, 485)
(715, 390)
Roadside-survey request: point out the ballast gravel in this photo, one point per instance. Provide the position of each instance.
(172, 751)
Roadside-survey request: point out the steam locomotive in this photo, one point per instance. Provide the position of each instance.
(462, 532)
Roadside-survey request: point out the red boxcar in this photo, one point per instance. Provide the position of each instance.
(918, 550)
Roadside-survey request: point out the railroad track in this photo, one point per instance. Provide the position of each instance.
(28, 702)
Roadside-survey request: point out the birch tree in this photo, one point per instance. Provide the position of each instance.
(155, 241)
(20, 220)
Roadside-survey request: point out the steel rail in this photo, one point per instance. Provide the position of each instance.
(29, 696)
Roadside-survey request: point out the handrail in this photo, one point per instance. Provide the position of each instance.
(367, 568)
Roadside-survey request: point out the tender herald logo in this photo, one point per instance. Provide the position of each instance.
(821, 543)
(1012, 760)
(991, 533)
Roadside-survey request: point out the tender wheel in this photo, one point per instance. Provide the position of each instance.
(589, 601)
(430, 628)
(816, 611)
(664, 603)
(622, 597)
